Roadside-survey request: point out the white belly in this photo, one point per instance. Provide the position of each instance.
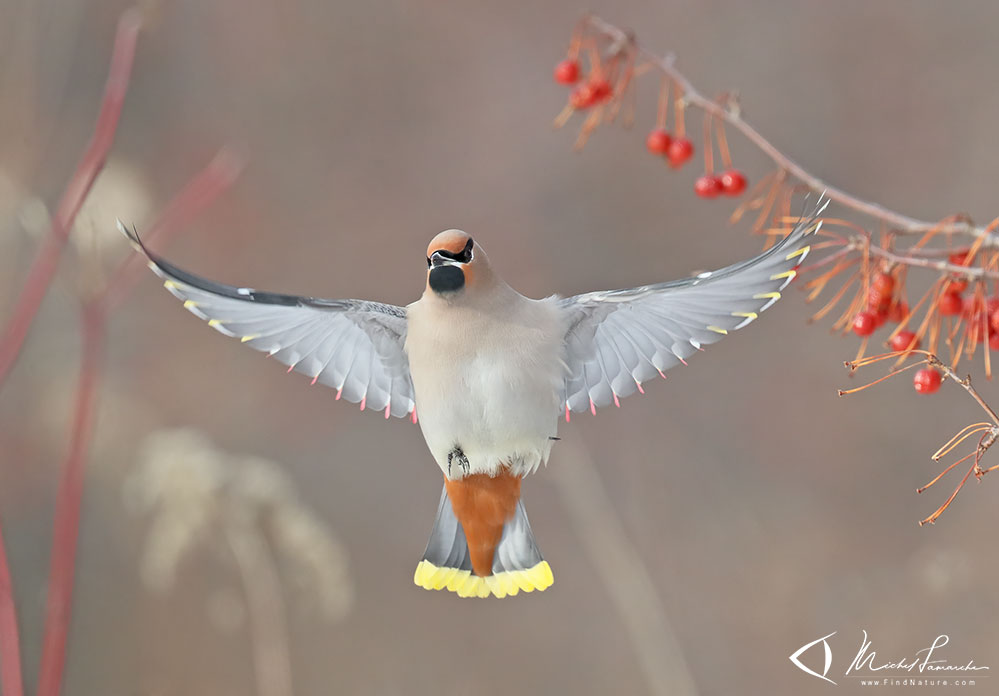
(490, 392)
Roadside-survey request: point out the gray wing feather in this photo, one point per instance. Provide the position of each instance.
(354, 346)
(618, 339)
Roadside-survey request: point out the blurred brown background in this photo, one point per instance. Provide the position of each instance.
(768, 511)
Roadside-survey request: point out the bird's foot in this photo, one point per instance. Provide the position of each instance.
(456, 456)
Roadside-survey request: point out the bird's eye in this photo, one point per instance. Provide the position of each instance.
(466, 254)
(464, 257)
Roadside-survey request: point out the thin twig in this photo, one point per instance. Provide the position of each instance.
(923, 262)
(47, 260)
(62, 563)
(966, 385)
(207, 185)
(201, 191)
(11, 683)
(989, 431)
(901, 224)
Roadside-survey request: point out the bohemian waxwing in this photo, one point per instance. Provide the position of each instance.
(490, 373)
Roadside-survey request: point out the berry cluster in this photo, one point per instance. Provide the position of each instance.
(676, 150)
(953, 315)
(598, 87)
(884, 305)
(594, 90)
(978, 313)
(679, 150)
(732, 182)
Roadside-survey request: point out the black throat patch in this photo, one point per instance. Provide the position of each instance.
(446, 279)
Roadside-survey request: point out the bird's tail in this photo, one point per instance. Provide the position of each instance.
(516, 562)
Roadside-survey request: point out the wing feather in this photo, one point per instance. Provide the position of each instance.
(618, 339)
(354, 346)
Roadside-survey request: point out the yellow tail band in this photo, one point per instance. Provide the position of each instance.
(466, 584)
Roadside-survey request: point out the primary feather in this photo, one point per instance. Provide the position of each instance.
(618, 339)
(354, 346)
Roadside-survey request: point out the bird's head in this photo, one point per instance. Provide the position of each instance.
(456, 264)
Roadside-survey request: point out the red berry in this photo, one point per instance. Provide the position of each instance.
(994, 321)
(658, 141)
(956, 285)
(960, 258)
(601, 89)
(951, 304)
(926, 381)
(898, 311)
(733, 182)
(994, 341)
(884, 284)
(567, 72)
(878, 302)
(707, 186)
(582, 96)
(679, 151)
(904, 340)
(865, 323)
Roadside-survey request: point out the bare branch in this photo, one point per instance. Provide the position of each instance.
(728, 112)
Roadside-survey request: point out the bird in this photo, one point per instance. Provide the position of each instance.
(488, 373)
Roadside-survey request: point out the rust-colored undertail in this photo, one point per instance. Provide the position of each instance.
(483, 504)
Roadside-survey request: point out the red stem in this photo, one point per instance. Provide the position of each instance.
(47, 260)
(709, 155)
(11, 683)
(202, 190)
(65, 533)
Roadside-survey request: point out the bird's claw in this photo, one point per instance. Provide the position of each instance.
(456, 456)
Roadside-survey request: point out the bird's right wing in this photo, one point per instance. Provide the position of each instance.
(354, 346)
(617, 339)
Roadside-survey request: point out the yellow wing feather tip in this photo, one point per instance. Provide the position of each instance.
(170, 285)
(188, 304)
(500, 585)
(747, 315)
(717, 329)
(800, 252)
(785, 274)
(767, 296)
(244, 339)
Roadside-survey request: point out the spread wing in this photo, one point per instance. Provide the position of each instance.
(618, 339)
(354, 346)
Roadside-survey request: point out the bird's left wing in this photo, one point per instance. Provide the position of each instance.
(618, 339)
(354, 346)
